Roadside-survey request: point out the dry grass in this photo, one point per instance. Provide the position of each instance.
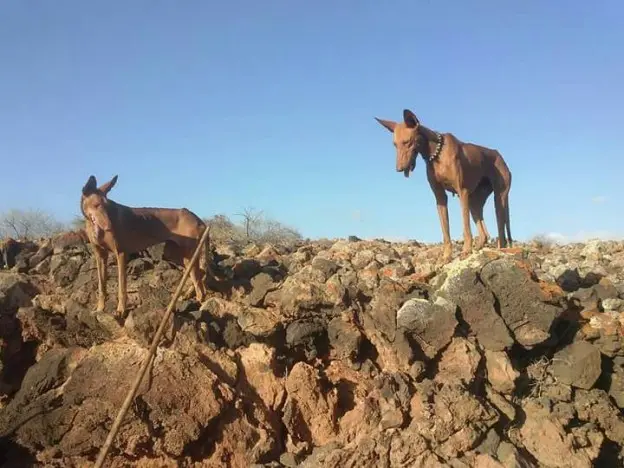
(542, 243)
(537, 372)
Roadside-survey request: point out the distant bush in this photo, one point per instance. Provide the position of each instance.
(224, 230)
(254, 227)
(29, 224)
(543, 242)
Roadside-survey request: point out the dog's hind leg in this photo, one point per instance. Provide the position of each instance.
(500, 218)
(505, 199)
(196, 276)
(478, 199)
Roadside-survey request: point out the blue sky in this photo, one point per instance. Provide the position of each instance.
(220, 105)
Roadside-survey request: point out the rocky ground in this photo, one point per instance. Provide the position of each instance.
(328, 354)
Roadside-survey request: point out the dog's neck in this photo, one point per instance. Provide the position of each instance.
(433, 143)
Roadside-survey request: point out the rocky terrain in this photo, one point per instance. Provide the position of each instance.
(341, 353)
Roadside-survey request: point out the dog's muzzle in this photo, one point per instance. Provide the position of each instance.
(97, 229)
(410, 167)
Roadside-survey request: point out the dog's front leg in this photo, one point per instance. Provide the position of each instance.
(101, 256)
(464, 200)
(442, 204)
(121, 276)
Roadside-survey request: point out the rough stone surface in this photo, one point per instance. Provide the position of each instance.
(432, 325)
(501, 374)
(549, 443)
(459, 362)
(476, 303)
(616, 383)
(344, 337)
(321, 354)
(578, 364)
(522, 302)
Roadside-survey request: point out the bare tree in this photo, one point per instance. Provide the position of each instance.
(29, 224)
(261, 229)
(251, 218)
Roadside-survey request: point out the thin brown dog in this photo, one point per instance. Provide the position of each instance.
(471, 171)
(113, 227)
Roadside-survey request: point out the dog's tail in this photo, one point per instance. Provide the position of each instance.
(507, 225)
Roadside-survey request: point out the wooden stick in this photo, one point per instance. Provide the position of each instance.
(152, 351)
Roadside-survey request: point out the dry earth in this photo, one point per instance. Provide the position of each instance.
(328, 354)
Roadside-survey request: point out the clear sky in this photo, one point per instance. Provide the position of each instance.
(216, 106)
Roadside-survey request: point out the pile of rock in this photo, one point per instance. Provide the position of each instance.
(347, 353)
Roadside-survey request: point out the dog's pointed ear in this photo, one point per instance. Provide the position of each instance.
(90, 186)
(105, 188)
(410, 119)
(389, 124)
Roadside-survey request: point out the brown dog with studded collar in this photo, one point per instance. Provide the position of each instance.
(471, 171)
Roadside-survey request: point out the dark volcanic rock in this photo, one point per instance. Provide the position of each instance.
(64, 270)
(308, 335)
(476, 303)
(522, 302)
(384, 306)
(261, 284)
(328, 267)
(345, 338)
(578, 364)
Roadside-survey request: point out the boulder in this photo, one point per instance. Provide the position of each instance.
(595, 406)
(522, 302)
(64, 269)
(431, 325)
(616, 383)
(62, 405)
(261, 284)
(476, 304)
(454, 421)
(578, 364)
(259, 379)
(387, 450)
(16, 290)
(511, 457)
(459, 362)
(548, 442)
(344, 336)
(310, 410)
(392, 345)
(384, 306)
(298, 295)
(500, 372)
(309, 336)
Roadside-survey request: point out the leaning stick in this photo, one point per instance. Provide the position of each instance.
(128, 401)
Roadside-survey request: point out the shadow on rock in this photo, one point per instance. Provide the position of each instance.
(13, 455)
